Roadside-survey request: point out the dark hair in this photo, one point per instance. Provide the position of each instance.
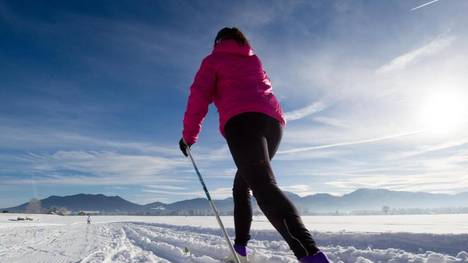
(231, 33)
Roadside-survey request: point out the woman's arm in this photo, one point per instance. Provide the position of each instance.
(201, 95)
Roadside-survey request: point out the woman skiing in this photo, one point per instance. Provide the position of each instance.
(251, 120)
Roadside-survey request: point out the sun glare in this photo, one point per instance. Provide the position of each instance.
(443, 112)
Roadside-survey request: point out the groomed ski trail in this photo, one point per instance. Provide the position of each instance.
(158, 242)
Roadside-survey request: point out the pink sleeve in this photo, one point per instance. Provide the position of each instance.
(201, 95)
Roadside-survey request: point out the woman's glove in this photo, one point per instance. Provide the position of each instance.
(183, 146)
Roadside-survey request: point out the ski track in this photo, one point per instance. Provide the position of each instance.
(155, 242)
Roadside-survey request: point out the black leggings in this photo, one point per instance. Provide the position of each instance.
(253, 139)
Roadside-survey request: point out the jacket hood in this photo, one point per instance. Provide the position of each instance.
(231, 46)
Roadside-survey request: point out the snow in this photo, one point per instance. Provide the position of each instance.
(355, 239)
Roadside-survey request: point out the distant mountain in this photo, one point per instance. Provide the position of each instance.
(359, 200)
(85, 202)
(292, 196)
(375, 199)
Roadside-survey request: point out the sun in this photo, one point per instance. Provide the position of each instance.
(443, 112)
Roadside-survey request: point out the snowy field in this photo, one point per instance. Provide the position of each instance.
(49, 238)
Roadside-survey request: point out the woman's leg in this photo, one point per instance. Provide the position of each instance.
(251, 137)
(242, 201)
(242, 210)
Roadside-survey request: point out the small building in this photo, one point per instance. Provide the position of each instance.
(82, 213)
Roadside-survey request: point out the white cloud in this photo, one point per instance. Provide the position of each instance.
(423, 5)
(304, 112)
(221, 193)
(78, 179)
(434, 173)
(402, 61)
(19, 137)
(335, 122)
(100, 168)
(300, 189)
(429, 182)
(166, 193)
(167, 187)
(102, 163)
(216, 194)
(423, 149)
(210, 154)
(332, 145)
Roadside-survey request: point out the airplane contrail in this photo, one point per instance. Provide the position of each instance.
(423, 5)
(318, 147)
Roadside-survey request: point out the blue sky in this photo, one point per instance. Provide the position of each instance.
(92, 95)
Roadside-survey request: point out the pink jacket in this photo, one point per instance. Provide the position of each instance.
(233, 78)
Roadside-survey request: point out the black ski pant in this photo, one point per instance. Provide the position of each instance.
(253, 139)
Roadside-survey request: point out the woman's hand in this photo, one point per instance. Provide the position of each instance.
(183, 146)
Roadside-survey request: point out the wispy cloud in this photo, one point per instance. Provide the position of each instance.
(429, 149)
(219, 154)
(406, 59)
(423, 5)
(83, 180)
(437, 172)
(304, 112)
(167, 187)
(172, 193)
(319, 147)
(300, 189)
(430, 182)
(100, 168)
(333, 122)
(33, 138)
(221, 193)
(216, 193)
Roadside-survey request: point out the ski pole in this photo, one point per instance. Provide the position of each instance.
(220, 223)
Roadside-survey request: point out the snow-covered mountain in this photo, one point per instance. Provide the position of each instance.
(359, 200)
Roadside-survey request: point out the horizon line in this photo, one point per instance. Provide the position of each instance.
(363, 188)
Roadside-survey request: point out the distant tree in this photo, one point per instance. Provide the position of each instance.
(52, 210)
(62, 211)
(386, 209)
(34, 206)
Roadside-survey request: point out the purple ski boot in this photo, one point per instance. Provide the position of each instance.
(318, 257)
(241, 250)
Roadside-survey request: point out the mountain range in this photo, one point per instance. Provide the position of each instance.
(359, 200)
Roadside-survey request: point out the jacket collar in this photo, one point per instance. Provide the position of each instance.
(231, 46)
